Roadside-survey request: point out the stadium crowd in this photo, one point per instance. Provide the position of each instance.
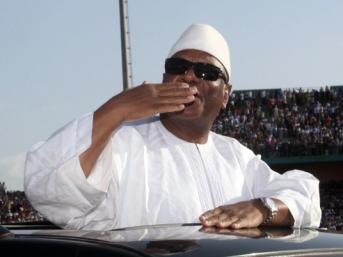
(282, 123)
(331, 198)
(16, 208)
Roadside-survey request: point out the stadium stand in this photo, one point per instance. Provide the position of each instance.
(16, 208)
(331, 195)
(286, 123)
(289, 128)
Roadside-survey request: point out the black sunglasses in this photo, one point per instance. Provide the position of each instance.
(206, 71)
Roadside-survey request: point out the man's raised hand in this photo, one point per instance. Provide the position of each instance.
(150, 99)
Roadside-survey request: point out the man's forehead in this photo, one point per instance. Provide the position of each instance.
(199, 56)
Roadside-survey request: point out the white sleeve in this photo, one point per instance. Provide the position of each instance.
(54, 181)
(298, 190)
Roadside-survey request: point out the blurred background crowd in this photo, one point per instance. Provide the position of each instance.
(273, 123)
(331, 198)
(16, 208)
(283, 123)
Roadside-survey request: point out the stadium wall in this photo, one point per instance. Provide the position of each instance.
(328, 168)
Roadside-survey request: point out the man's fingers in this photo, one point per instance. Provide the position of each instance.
(175, 87)
(223, 216)
(212, 221)
(176, 100)
(176, 91)
(234, 216)
(150, 99)
(245, 222)
(227, 222)
(240, 223)
(169, 93)
(205, 215)
(210, 213)
(169, 108)
(211, 218)
(221, 220)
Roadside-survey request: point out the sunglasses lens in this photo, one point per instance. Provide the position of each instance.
(206, 71)
(177, 66)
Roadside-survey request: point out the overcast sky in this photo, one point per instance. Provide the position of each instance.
(61, 58)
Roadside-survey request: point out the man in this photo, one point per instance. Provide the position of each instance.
(124, 166)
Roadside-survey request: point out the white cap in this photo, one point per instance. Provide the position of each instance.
(205, 38)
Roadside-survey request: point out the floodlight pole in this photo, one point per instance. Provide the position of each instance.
(125, 45)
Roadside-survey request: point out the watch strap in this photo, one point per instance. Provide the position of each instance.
(270, 204)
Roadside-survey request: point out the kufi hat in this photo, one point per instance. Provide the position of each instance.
(205, 38)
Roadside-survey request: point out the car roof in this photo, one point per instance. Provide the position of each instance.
(195, 240)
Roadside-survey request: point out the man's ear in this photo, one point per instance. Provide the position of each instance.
(227, 93)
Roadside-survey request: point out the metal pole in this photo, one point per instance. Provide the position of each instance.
(125, 48)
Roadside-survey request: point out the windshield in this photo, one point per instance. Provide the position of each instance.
(60, 60)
